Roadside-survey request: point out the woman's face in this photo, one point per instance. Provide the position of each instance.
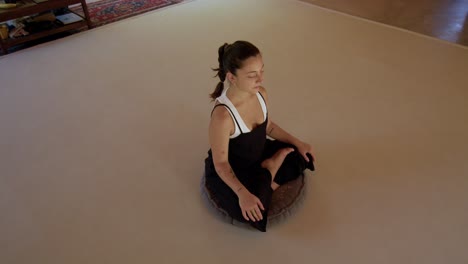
(249, 78)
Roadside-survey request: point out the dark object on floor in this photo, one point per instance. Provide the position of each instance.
(34, 27)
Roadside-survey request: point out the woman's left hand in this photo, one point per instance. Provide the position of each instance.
(305, 148)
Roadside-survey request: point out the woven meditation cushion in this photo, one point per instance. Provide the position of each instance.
(286, 199)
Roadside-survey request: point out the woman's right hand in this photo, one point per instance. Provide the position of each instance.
(250, 206)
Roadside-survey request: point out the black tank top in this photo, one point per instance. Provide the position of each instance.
(245, 150)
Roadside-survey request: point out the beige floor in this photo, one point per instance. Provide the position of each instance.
(103, 138)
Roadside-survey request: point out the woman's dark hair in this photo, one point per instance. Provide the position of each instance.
(230, 58)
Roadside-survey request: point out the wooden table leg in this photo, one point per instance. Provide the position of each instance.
(86, 13)
(4, 48)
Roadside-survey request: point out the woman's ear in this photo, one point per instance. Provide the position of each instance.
(231, 78)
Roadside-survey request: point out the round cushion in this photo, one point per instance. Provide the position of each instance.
(286, 199)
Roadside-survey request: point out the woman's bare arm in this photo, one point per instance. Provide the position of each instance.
(221, 126)
(276, 132)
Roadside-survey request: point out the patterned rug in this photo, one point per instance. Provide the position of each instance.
(108, 11)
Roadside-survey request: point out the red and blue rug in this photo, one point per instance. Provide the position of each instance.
(108, 11)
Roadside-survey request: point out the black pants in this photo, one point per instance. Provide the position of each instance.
(257, 180)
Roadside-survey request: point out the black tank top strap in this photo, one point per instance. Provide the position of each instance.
(232, 115)
(263, 98)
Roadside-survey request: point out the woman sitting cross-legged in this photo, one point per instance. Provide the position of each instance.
(243, 167)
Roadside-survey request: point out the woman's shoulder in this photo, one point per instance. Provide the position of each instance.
(220, 113)
(221, 120)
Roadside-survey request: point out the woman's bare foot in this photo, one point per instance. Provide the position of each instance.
(274, 185)
(274, 163)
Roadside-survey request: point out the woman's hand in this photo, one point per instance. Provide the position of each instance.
(250, 206)
(305, 148)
